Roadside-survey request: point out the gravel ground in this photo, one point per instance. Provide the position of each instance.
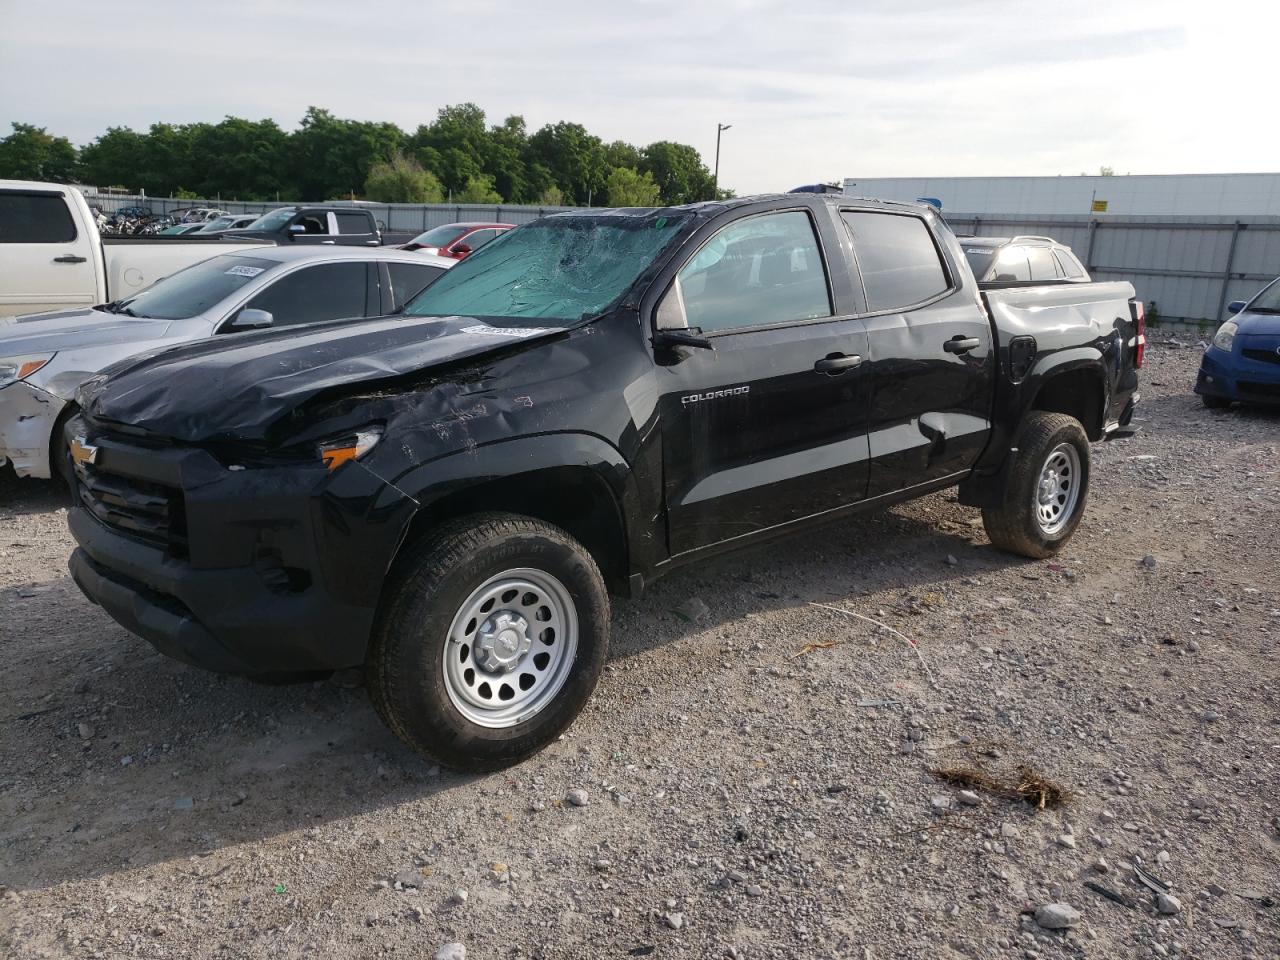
(748, 792)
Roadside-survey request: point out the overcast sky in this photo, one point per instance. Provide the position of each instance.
(815, 89)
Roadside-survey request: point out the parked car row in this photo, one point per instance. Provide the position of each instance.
(442, 479)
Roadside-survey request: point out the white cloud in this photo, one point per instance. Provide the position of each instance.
(814, 90)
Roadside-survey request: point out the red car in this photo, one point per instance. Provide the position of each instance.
(456, 240)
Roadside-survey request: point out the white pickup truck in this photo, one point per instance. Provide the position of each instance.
(53, 258)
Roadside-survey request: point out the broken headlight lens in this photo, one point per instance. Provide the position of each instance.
(1226, 335)
(13, 369)
(335, 453)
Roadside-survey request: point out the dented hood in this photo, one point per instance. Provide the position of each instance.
(238, 387)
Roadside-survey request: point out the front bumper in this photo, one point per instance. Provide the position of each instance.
(249, 572)
(27, 418)
(1233, 376)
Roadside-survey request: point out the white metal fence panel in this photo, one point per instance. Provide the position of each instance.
(1189, 267)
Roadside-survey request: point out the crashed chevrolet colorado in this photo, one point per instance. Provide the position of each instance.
(448, 496)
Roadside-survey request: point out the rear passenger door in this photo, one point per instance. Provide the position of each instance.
(354, 228)
(931, 360)
(769, 426)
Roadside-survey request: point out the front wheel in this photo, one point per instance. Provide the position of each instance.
(490, 641)
(1048, 486)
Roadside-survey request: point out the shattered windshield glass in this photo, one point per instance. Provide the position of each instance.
(562, 268)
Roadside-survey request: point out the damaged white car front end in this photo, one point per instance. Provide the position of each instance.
(28, 415)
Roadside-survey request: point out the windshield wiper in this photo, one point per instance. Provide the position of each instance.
(1256, 309)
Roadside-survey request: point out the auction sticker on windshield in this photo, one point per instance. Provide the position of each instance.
(243, 271)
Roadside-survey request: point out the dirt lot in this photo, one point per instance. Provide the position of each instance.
(747, 797)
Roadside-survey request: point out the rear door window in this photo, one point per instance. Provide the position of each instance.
(479, 238)
(1011, 265)
(899, 261)
(1042, 264)
(352, 223)
(35, 218)
(760, 271)
(410, 279)
(327, 291)
(1071, 267)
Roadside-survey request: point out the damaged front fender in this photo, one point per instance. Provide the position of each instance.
(28, 416)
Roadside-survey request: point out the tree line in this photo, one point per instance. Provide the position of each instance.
(457, 157)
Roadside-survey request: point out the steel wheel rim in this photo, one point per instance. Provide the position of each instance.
(510, 647)
(1058, 489)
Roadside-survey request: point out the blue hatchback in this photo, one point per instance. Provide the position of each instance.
(1243, 362)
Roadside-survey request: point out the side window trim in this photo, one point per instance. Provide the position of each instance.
(730, 331)
(948, 271)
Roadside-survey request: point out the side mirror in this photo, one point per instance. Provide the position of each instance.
(296, 228)
(1235, 306)
(251, 319)
(672, 322)
(461, 249)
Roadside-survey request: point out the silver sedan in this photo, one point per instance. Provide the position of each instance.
(45, 357)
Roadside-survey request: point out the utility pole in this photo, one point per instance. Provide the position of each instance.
(715, 177)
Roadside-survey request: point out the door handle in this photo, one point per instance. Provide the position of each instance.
(837, 363)
(69, 258)
(959, 344)
(329, 242)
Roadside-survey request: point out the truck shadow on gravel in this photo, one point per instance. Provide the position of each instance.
(116, 758)
(22, 496)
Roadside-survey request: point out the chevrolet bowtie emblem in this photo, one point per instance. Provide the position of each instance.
(82, 452)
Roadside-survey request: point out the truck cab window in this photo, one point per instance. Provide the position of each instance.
(314, 223)
(759, 271)
(1043, 266)
(352, 223)
(899, 263)
(1071, 268)
(35, 218)
(1011, 265)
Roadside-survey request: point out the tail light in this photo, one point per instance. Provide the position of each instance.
(1140, 334)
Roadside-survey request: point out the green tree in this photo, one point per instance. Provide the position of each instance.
(504, 160)
(628, 188)
(551, 197)
(478, 189)
(113, 159)
(245, 159)
(574, 158)
(31, 153)
(331, 157)
(679, 172)
(455, 146)
(622, 154)
(402, 180)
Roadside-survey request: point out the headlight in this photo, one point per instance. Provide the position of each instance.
(335, 453)
(13, 369)
(1226, 335)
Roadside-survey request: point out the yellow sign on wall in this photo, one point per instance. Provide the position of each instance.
(1099, 206)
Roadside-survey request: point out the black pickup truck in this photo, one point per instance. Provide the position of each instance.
(449, 495)
(335, 226)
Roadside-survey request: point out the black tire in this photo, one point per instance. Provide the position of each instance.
(60, 466)
(1015, 526)
(1214, 403)
(429, 584)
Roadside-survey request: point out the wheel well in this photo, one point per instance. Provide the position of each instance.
(55, 438)
(1077, 393)
(575, 499)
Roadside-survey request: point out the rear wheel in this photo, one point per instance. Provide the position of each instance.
(1214, 403)
(1048, 487)
(490, 641)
